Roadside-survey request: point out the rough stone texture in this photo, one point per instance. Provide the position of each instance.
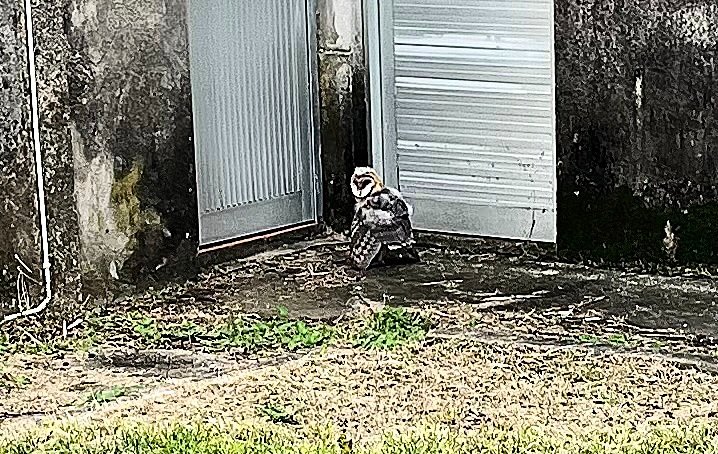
(18, 233)
(343, 105)
(132, 136)
(636, 127)
(52, 67)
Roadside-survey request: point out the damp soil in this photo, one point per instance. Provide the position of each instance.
(511, 315)
(312, 281)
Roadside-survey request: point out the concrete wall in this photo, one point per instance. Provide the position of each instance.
(638, 142)
(117, 139)
(343, 102)
(18, 182)
(18, 234)
(131, 135)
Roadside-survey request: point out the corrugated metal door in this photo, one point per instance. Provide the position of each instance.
(464, 113)
(253, 73)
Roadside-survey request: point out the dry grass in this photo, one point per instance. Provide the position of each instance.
(462, 384)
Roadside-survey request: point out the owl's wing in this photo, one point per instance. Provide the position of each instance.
(364, 244)
(387, 215)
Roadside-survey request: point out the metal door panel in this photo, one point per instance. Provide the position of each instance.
(253, 99)
(463, 113)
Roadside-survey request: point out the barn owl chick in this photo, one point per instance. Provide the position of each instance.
(382, 221)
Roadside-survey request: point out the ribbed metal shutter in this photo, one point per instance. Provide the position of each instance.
(466, 127)
(251, 72)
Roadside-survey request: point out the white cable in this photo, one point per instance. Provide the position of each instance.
(39, 170)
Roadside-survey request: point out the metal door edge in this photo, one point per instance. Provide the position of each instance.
(315, 108)
(372, 61)
(193, 94)
(554, 122)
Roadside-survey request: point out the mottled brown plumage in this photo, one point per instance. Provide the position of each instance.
(382, 221)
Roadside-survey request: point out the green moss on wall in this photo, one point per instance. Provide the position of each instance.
(129, 215)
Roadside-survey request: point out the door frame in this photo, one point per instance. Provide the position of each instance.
(380, 108)
(310, 8)
(376, 80)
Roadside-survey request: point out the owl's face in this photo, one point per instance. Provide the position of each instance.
(365, 182)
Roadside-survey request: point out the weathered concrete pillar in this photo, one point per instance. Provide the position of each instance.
(343, 114)
(18, 210)
(131, 126)
(52, 57)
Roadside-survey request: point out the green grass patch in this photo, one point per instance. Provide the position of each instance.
(610, 340)
(10, 381)
(278, 413)
(146, 328)
(391, 327)
(276, 332)
(4, 343)
(107, 395)
(139, 438)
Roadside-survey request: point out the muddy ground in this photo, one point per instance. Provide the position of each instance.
(512, 339)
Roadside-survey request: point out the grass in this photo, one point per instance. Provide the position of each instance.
(276, 332)
(24, 342)
(142, 438)
(146, 328)
(153, 332)
(9, 381)
(392, 327)
(386, 329)
(612, 340)
(278, 413)
(107, 394)
(236, 332)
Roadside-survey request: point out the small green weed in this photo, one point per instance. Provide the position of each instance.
(10, 381)
(278, 413)
(657, 346)
(184, 330)
(278, 332)
(107, 395)
(85, 342)
(618, 339)
(153, 332)
(146, 327)
(588, 339)
(614, 340)
(392, 327)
